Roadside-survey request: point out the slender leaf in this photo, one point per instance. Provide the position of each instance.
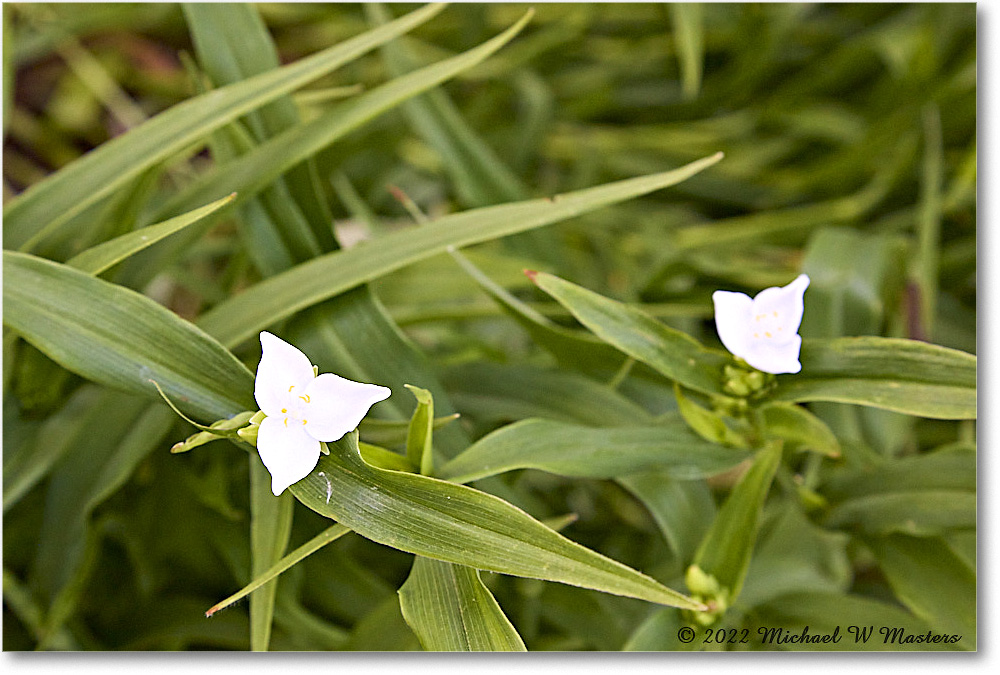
(391, 432)
(53, 201)
(500, 393)
(795, 423)
(270, 527)
(794, 555)
(580, 451)
(240, 317)
(725, 551)
(450, 609)
(683, 510)
(919, 513)
(892, 374)
(99, 258)
(480, 176)
(688, 33)
(671, 352)
(935, 583)
(117, 337)
(419, 438)
(453, 523)
(25, 464)
(325, 537)
(260, 166)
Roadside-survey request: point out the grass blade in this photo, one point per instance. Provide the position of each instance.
(451, 610)
(244, 315)
(51, 202)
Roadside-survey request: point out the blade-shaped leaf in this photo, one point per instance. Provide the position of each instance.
(451, 610)
(454, 523)
(419, 438)
(683, 510)
(922, 495)
(494, 393)
(580, 451)
(795, 423)
(932, 580)
(330, 534)
(671, 352)
(726, 549)
(53, 201)
(270, 527)
(99, 258)
(263, 164)
(280, 296)
(120, 338)
(905, 376)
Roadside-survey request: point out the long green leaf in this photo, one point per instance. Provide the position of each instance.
(117, 435)
(499, 393)
(689, 35)
(933, 581)
(919, 512)
(270, 527)
(330, 534)
(263, 164)
(480, 176)
(457, 524)
(120, 338)
(579, 451)
(725, 551)
(99, 258)
(451, 610)
(419, 438)
(25, 464)
(683, 510)
(242, 316)
(55, 200)
(893, 374)
(671, 352)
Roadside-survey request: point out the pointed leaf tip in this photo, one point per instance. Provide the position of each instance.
(531, 274)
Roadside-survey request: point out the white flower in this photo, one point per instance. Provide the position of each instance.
(303, 410)
(763, 331)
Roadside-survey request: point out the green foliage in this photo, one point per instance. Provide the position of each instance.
(578, 463)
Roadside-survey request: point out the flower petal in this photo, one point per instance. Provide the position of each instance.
(787, 301)
(336, 405)
(288, 452)
(732, 320)
(775, 358)
(281, 368)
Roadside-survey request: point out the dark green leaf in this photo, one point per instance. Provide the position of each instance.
(450, 609)
(580, 451)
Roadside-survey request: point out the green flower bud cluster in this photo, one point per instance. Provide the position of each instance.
(706, 589)
(745, 382)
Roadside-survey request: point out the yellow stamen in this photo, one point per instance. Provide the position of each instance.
(284, 410)
(291, 387)
(286, 421)
(756, 335)
(305, 398)
(768, 334)
(304, 422)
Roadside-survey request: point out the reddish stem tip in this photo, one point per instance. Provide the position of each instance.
(531, 274)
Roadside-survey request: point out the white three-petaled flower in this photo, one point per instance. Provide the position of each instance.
(302, 410)
(763, 331)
